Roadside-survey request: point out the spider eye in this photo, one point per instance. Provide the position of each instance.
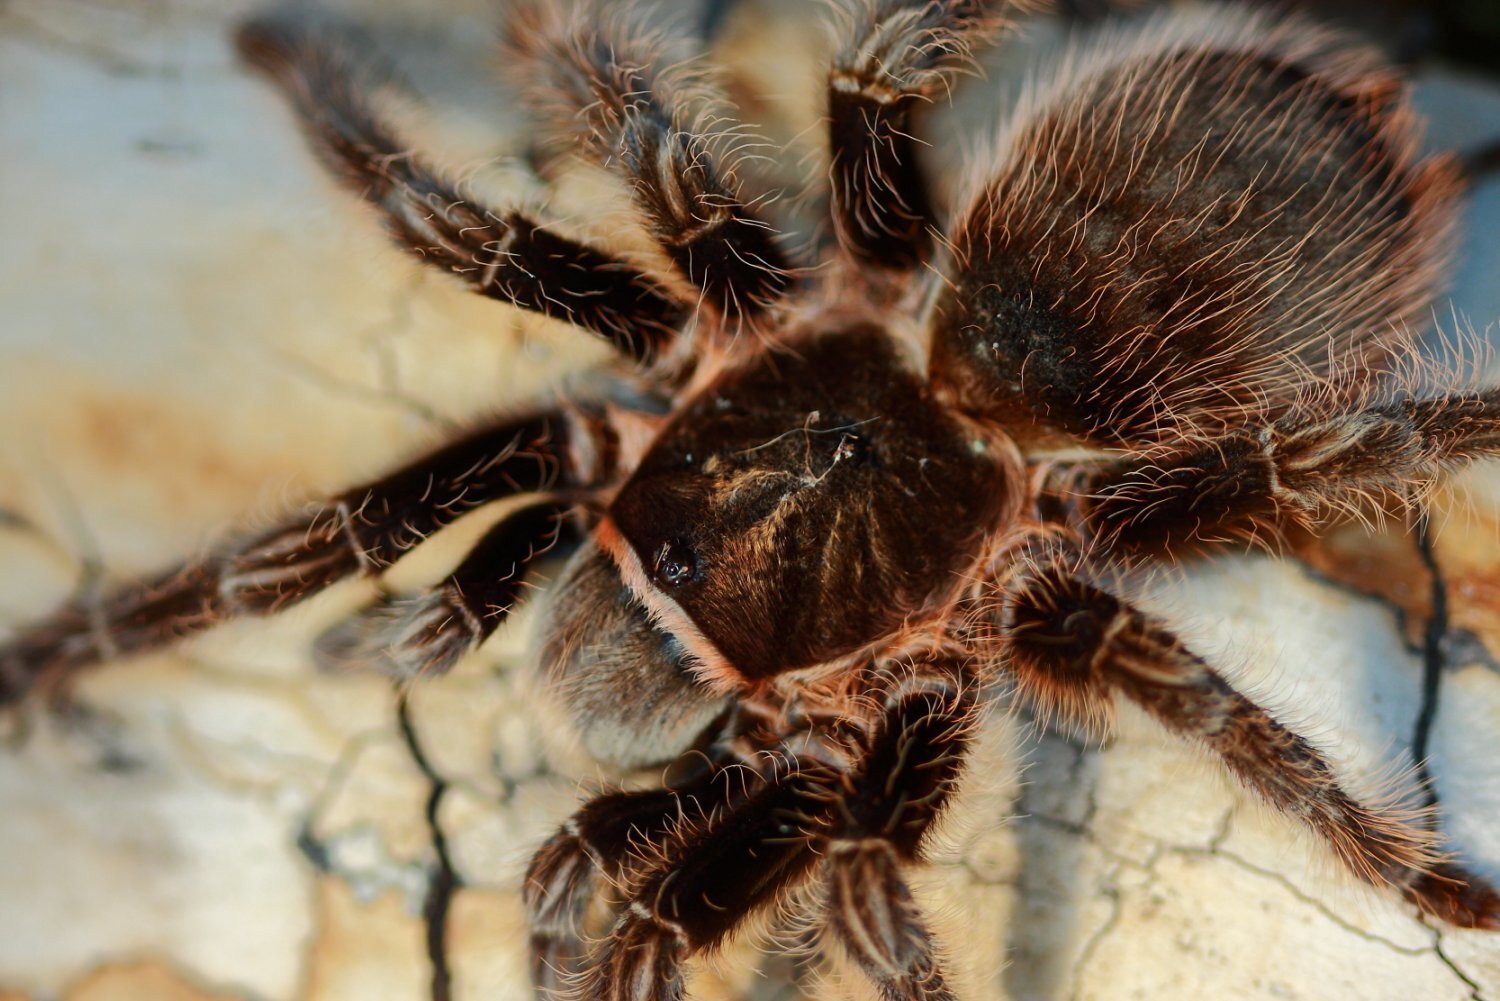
(674, 564)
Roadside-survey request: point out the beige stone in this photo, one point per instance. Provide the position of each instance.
(199, 329)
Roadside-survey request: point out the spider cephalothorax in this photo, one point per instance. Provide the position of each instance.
(834, 510)
(783, 520)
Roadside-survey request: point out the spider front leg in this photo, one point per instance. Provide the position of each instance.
(596, 844)
(359, 532)
(1254, 484)
(614, 837)
(1073, 646)
(912, 760)
(851, 811)
(502, 254)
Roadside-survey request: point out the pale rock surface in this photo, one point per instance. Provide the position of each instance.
(198, 329)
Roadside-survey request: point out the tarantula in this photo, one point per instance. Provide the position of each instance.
(820, 516)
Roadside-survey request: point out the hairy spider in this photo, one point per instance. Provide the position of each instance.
(821, 515)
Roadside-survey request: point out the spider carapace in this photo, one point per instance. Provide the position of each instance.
(806, 505)
(829, 508)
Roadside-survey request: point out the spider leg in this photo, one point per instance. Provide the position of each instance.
(1073, 646)
(851, 815)
(609, 838)
(565, 875)
(610, 87)
(1254, 484)
(411, 635)
(502, 254)
(897, 55)
(911, 762)
(359, 532)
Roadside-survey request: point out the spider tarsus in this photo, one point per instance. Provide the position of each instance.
(873, 915)
(898, 56)
(425, 634)
(1455, 896)
(129, 618)
(619, 93)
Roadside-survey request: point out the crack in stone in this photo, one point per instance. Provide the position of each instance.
(196, 749)
(1215, 850)
(1475, 993)
(1433, 663)
(350, 389)
(377, 339)
(111, 61)
(443, 879)
(1401, 619)
(1466, 648)
(1045, 877)
(314, 850)
(400, 324)
(1086, 955)
(1188, 851)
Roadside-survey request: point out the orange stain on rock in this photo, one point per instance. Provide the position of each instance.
(142, 980)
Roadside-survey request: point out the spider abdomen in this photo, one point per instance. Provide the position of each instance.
(786, 515)
(1185, 235)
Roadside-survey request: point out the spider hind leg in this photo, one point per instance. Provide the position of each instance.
(897, 56)
(1258, 483)
(1062, 632)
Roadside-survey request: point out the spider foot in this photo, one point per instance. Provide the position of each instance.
(557, 890)
(644, 962)
(403, 637)
(1456, 896)
(872, 912)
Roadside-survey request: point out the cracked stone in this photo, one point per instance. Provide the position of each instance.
(1474, 957)
(150, 405)
(487, 946)
(491, 842)
(382, 792)
(142, 980)
(160, 860)
(457, 723)
(365, 948)
(1466, 551)
(1169, 942)
(1467, 782)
